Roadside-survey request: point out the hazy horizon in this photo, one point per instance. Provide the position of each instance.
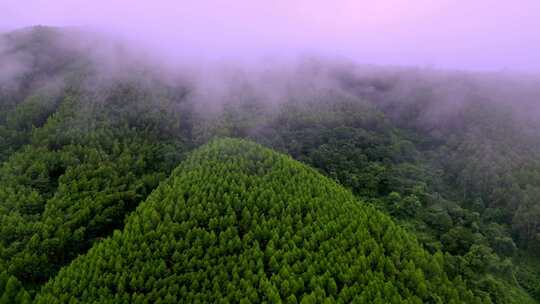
(479, 35)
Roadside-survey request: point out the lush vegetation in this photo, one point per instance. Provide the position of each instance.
(240, 223)
(74, 165)
(403, 172)
(452, 158)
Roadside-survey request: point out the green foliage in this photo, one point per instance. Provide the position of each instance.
(238, 222)
(12, 291)
(82, 172)
(20, 121)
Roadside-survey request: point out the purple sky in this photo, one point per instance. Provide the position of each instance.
(457, 34)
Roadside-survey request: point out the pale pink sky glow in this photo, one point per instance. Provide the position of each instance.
(458, 34)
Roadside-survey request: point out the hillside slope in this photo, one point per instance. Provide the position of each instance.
(74, 161)
(237, 222)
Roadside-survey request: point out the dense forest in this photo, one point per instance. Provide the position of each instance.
(239, 223)
(377, 184)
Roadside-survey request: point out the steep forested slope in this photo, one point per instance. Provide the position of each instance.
(74, 162)
(389, 166)
(479, 132)
(72, 185)
(239, 223)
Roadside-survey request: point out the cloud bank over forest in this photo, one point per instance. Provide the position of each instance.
(471, 35)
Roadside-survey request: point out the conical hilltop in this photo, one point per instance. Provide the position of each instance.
(239, 223)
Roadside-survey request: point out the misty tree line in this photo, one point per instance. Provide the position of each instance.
(467, 188)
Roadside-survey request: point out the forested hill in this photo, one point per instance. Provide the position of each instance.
(240, 223)
(88, 132)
